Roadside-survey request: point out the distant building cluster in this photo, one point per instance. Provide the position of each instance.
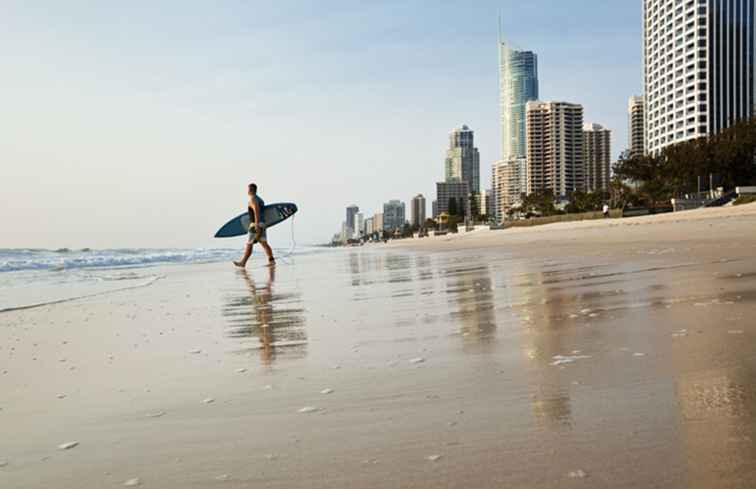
(699, 78)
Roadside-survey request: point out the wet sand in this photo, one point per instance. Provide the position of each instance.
(614, 356)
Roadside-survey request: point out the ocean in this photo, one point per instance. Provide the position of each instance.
(31, 277)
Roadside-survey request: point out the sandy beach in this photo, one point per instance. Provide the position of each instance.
(609, 354)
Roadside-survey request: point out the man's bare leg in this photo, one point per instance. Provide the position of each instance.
(247, 253)
(268, 251)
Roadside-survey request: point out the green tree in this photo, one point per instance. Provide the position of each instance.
(452, 206)
(539, 203)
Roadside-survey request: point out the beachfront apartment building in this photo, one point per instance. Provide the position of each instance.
(510, 183)
(597, 147)
(462, 158)
(698, 68)
(636, 132)
(377, 222)
(393, 215)
(555, 155)
(454, 190)
(417, 211)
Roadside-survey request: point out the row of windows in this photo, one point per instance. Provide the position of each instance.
(656, 65)
(653, 82)
(677, 136)
(655, 41)
(688, 81)
(656, 12)
(677, 119)
(665, 53)
(666, 111)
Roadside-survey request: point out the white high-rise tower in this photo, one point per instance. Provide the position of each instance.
(699, 68)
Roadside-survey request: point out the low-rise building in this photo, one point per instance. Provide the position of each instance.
(453, 193)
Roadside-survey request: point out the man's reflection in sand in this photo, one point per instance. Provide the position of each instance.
(263, 313)
(266, 315)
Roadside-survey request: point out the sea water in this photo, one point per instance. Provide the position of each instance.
(37, 276)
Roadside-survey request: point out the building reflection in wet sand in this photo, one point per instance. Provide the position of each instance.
(473, 302)
(274, 320)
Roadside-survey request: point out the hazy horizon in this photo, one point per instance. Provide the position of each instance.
(139, 125)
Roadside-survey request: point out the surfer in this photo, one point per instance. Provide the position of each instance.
(257, 231)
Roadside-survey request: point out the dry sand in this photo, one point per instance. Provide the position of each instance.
(615, 354)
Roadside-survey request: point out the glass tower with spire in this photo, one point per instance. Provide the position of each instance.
(518, 84)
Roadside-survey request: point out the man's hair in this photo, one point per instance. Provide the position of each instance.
(252, 187)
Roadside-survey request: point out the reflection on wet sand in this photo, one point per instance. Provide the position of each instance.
(473, 302)
(539, 310)
(258, 312)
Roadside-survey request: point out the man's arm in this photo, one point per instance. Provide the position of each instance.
(256, 208)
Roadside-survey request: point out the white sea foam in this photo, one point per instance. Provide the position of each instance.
(565, 359)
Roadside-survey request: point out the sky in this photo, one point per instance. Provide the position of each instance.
(139, 124)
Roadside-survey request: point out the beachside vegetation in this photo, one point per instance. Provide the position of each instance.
(726, 159)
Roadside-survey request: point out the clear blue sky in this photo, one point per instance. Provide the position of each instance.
(139, 123)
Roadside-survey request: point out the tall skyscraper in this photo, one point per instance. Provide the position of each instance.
(598, 156)
(462, 159)
(555, 147)
(636, 134)
(417, 210)
(699, 68)
(351, 212)
(518, 84)
(393, 215)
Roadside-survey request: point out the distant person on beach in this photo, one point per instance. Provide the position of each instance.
(606, 211)
(257, 232)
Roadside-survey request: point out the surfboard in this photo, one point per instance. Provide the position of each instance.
(272, 214)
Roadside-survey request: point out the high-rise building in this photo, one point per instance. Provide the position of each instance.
(510, 182)
(636, 134)
(359, 224)
(378, 222)
(462, 159)
(555, 147)
(698, 68)
(434, 208)
(598, 157)
(455, 190)
(393, 215)
(417, 210)
(490, 204)
(351, 212)
(518, 84)
(368, 226)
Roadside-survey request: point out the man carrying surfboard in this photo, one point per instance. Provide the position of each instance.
(257, 232)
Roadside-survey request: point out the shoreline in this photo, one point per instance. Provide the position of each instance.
(570, 230)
